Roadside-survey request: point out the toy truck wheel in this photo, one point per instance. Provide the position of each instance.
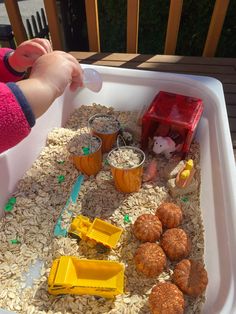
(100, 248)
(74, 236)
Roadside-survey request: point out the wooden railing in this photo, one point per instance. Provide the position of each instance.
(175, 11)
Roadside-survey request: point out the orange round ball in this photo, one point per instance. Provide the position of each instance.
(166, 298)
(176, 243)
(150, 259)
(170, 215)
(147, 228)
(191, 277)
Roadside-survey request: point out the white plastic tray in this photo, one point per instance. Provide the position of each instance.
(127, 89)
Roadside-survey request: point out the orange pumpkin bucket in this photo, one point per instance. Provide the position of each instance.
(106, 127)
(86, 153)
(126, 164)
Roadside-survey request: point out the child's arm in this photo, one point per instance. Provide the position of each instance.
(16, 117)
(22, 102)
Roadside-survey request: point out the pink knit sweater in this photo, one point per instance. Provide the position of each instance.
(16, 117)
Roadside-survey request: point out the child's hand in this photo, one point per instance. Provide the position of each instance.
(56, 70)
(50, 75)
(28, 52)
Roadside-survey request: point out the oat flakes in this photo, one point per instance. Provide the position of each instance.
(40, 199)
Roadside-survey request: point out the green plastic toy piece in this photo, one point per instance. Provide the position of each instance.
(86, 150)
(8, 207)
(184, 199)
(12, 200)
(106, 162)
(127, 219)
(61, 179)
(61, 162)
(15, 241)
(10, 204)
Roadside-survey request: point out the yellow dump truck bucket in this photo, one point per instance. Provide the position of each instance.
(104, 232)
(71, 275)
(99, 231)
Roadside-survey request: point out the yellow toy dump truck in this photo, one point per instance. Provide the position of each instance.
(97, 232)
(71, 275)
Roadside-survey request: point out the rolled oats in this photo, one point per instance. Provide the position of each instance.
(40, 199)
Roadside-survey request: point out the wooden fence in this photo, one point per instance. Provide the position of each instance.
(175, 11)
(37, 27)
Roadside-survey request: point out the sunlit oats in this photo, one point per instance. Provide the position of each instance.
(40, 200)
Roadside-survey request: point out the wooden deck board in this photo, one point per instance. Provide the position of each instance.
(125, 57)
(223, 69)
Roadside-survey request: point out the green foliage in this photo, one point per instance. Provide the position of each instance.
(227, 44)
(195, 21)
(152, 26)
(112, 24)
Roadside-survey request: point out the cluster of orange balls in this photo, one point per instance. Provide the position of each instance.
(189, 276)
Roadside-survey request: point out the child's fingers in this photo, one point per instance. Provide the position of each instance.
(76, 71)
(44, 43)
(57, 70)
(71, 59)
(32, 48)
(76, 76)
(76, 83)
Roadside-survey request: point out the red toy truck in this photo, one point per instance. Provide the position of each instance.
(172, 115)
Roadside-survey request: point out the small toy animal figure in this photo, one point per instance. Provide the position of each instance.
(164, 145)
(185, 175)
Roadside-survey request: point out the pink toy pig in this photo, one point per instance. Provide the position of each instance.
(164, 145)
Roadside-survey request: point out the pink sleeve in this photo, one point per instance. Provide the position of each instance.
(14, 126)
(7, 74)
